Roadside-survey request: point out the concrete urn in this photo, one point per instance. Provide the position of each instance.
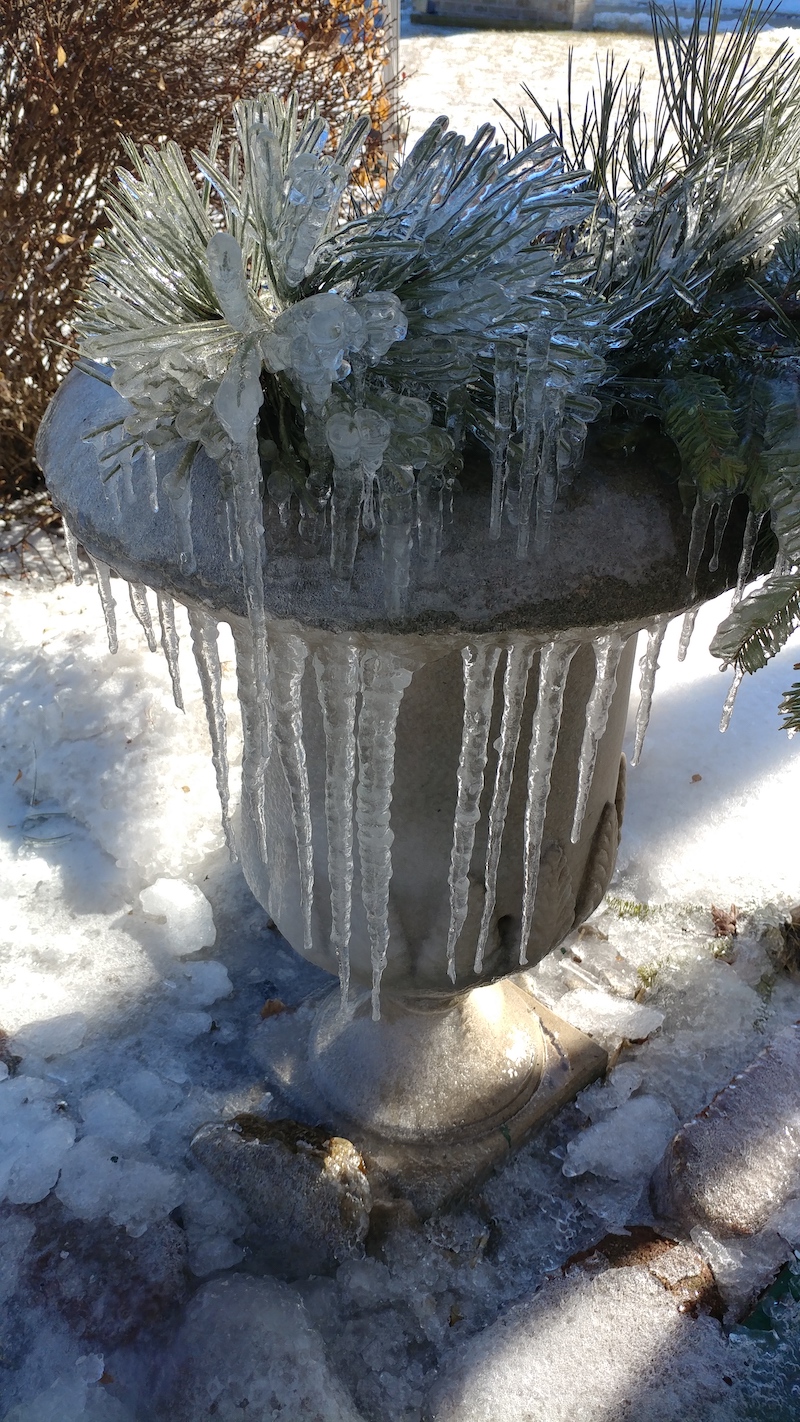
(441, 798)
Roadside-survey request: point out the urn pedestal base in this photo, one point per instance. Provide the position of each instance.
(541, 1064)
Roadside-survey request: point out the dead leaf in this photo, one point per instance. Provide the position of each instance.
(272, 1007)
(54, 110)
(724, 921)
(17, 777)
(61, 56)
(695, 779)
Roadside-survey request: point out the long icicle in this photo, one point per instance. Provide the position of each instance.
(504, 380)
(170, 644)
(515, 683)
(397, 514)
(649, 666)
(71, 545)
(727, 710)
(536, 357)
(384, 679)
(151, 474)
(554, 664)
(429, 523)
(141, 611)
(751, 531)
(607, 652)
(249, 519)
(103, 574)
(288, 656)
(687, 628)
(338, 682)
(480, 665)
(720, 524)
(701, 517)
(547, 483)
(204, 644)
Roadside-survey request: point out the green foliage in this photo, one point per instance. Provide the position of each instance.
(761, 624)
(698, 417)
(695, 241)
(790, 708)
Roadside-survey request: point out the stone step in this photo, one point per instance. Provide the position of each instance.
(632, 16)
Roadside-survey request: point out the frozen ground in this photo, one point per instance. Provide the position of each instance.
(134, 964)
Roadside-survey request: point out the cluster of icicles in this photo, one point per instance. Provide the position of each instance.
(360, 743)
(373, 437)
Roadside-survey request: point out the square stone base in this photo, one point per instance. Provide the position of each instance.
(428, 1176)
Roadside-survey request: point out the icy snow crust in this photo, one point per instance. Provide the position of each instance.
(134, 966)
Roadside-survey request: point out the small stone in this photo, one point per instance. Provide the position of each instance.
(738, 1161)
(305, 1191)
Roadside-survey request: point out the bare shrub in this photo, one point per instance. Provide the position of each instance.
(75, 75)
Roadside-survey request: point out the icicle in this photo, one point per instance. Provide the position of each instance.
(504, 380)
(234, 547)
(152, 477)
(338, 682)
(607, 652)
(515, 682)
(346, 500)
(751, 530)
(396, 488)
(701, 517)
(554, 664)
(181, 501)
(536, 353)
(649, 666)
(141, 611)
(368, 507)
(253, 662)
(384, 679)
(429, 522)
(456, 421)
(720, 524)
(687, 628)
(480, 665)
(547, 483)
(126, 476)
(727, 710)
(170, 644)
(204, 643)
(71, 545)
(287, 662)
(103, 575)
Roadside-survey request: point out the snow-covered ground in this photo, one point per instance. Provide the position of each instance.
(134, 964)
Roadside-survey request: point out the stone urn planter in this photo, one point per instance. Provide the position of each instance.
(434, 644)
(444, 795)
